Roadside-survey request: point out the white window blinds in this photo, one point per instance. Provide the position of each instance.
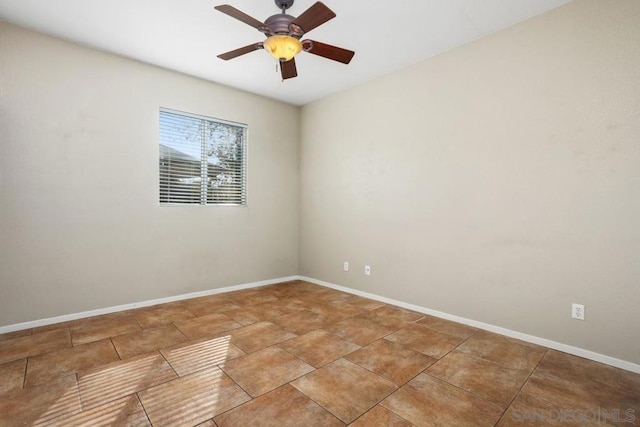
(202, 160)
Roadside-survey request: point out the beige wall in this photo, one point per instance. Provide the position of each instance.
(499, 181)
(80, 223)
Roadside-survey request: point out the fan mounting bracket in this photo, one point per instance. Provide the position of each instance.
(284, 4)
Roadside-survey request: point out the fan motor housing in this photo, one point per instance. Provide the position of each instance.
(279, 24)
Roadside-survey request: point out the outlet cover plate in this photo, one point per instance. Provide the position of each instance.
(577, 311)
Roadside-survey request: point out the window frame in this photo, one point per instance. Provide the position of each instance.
(244, 186)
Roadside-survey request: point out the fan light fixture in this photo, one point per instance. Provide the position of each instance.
(284, 33)
(282, 47)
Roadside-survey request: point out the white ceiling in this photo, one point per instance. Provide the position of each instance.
(186, 36)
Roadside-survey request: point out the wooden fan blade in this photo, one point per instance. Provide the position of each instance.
(327, 51)
(240, 16)
(241, 51)
(288, 69)
(311, 18)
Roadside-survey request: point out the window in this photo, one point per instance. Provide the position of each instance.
(202, 160)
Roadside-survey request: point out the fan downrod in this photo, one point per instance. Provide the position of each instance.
(284, 4)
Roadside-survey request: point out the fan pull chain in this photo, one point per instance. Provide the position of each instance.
(278, 62)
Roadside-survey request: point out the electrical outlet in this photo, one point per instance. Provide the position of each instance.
(367, 270)
(577, 311)
(346, 266)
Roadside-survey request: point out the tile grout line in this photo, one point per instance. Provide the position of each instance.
(234, 381)
(180, 331)
(24, 380)
(113, 399)
(463, 390)
(251, 398)
(276, 345)
(319, 404)
(343, 357)
(486, 360)
(543, 397)
(138, 323)
(115, 349)
(522, 386)
(392, 392)
(171, 366)
(424, 371)
(143, 408)
(79, 394)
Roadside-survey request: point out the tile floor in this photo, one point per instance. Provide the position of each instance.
(297, 354)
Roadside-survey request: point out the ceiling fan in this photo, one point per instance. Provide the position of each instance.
(284, 33)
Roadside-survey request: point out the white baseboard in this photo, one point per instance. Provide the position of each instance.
(576, 351)
(100, 311)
